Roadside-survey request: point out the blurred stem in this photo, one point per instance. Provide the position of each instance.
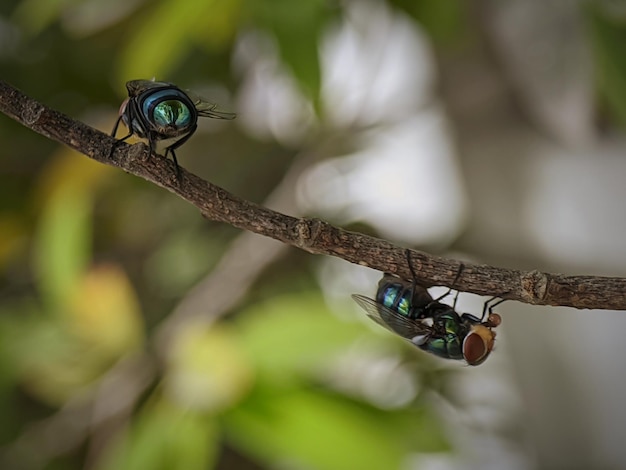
(313, 235)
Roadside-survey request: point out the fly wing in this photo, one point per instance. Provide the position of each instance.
(208, 109)
(135, 87)
(393, 321)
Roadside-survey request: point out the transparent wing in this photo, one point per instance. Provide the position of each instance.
(135, 87)
(391, 320)
(208, 109)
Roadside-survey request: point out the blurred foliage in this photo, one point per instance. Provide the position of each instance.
(92, 260)
(165, 436)
(444, 19)
(207, 24)
(608, 36)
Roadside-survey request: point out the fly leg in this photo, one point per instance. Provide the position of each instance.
(177, 144)
(114, 131)
(488, 313)
(152, 140)
(447, 293)
(414, 284)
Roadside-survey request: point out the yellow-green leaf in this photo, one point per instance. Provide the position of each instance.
(166, 437)
(328, 432)
(63, 244)
(206, 370)
(171, 27)
(294, 333)
(104, 312)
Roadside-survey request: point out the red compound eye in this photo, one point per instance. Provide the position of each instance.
(475, 349)
(478, 343)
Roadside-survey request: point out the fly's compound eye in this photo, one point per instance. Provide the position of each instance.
(477, 345)
(172, 113)
(168, 108)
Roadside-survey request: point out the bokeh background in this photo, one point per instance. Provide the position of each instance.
(134, 334)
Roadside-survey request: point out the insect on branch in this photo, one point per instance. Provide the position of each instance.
(313, 235)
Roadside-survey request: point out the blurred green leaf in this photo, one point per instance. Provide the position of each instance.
(13, 236)
(56, 357)
(181, 259)
(64, 193)
(15, 320)
(297, 28)
(443, 19)
(219, 27)
(206, 371)
(50, 364)
(169, 31)
(165, 437)
(294, 333)
(36, 15)
(328, 432)
(104, 312)
(417, 429)
(63, 243)
(608, 38)
(11, 312)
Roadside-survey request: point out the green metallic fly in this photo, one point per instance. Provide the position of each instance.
(162, 112)
(407, 309)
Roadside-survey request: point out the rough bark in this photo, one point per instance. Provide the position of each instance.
(313, 235)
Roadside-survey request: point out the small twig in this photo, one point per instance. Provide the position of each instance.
(313, 235)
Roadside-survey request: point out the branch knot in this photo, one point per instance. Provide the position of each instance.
(534, 286)
(32, 113)
(306, 232)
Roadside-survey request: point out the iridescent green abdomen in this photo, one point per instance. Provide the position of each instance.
(404, 298)
(396, 297)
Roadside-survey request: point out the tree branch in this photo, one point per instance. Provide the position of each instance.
(313, 235)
